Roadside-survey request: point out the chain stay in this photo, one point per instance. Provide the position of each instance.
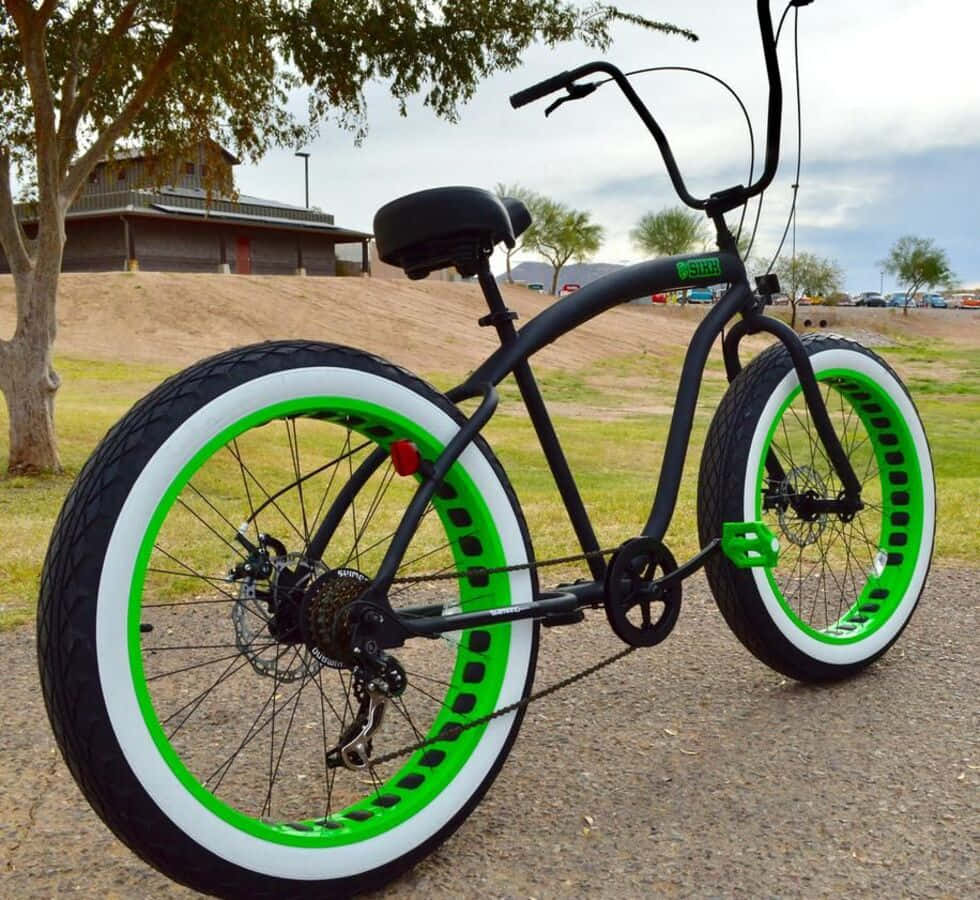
(453, 731)
(499, 570)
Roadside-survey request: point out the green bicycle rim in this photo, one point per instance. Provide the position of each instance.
(899, 528)
(427, 772)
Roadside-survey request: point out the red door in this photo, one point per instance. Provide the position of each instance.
(243, 256)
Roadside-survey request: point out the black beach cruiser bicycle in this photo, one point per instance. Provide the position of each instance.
(289, 617)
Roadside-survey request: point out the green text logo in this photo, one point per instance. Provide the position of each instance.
(691, 269)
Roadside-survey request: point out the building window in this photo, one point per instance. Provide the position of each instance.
(205, 170)
(188, 168)
(93, 177)
(121, 176)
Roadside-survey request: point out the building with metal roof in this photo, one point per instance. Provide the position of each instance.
(125, 219)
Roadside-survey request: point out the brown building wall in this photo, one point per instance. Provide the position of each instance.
(196, 247)
(160, 245)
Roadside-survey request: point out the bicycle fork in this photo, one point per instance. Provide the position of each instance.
(848, 503)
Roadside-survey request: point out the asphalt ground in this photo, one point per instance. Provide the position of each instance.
(687, 770)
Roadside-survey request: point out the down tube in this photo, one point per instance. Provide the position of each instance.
(612, 290)
(681, 421)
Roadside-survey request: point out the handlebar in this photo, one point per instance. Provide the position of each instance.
(541, 89)
(721, 201)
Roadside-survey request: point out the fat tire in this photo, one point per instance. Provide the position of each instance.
(66, 638)
(724, 473)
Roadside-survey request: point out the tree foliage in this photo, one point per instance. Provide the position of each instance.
(670, 232)
(807, 274)
(561, 234)
(535, 204)
(917, 263)
(79, 77)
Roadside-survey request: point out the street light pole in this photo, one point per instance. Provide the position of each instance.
(306, 171)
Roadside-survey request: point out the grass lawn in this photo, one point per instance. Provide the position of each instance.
(612, 418)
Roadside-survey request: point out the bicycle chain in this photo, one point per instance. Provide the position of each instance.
(454, 730)
(517, 567)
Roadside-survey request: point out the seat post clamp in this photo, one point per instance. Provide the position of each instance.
(497, 318)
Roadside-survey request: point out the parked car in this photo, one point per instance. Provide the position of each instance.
(869, 298)
(700, 295)
(536, 286)
(971, 301)
(935, 301)
(899, 299)
(659, 298)
(567, 289)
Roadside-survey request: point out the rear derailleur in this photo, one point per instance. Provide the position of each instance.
(377, 679)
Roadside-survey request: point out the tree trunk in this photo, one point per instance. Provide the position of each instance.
(28, 379)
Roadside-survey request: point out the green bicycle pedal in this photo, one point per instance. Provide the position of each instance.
(749, 544)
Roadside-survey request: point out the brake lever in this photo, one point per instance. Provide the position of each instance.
(575, 92)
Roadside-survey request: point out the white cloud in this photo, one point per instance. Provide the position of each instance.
(881, 79)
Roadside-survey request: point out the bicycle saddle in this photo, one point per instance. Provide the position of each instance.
(449, 226)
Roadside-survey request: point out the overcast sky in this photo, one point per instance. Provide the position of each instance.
(891, 133)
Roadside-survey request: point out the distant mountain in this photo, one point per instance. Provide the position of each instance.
(575, 273)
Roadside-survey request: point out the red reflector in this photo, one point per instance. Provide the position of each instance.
(405, 457)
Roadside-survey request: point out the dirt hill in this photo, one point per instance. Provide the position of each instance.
(426, 326)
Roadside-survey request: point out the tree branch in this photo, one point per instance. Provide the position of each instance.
(11, 234)
(30, 28)
(154, 75)
(71, 113)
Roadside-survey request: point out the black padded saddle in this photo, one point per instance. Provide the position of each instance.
(449, 226)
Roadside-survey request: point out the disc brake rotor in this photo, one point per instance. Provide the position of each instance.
(251, 615)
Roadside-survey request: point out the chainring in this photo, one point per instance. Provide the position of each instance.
(631, 592)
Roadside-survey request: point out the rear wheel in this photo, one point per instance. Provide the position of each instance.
(844, 586)
(187, 640)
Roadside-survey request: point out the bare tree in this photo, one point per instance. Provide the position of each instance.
(807, 274)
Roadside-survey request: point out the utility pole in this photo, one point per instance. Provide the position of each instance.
(306, 170)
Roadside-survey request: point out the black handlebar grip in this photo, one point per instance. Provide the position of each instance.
(541, 89)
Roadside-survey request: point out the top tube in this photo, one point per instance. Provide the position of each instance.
(621, 286)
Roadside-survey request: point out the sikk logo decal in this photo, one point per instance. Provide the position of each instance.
(706, 267)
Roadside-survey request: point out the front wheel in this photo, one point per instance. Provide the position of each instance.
(844, 587)
(190, 630)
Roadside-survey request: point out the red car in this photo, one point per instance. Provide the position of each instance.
(567, 289)
(659, 298)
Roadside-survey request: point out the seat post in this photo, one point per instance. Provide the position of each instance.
(499, 316)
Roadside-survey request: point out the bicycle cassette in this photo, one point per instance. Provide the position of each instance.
(632, 594)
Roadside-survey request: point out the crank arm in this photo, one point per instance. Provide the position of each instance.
(690, 567)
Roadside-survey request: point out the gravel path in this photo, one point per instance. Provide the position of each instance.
(687, 770)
